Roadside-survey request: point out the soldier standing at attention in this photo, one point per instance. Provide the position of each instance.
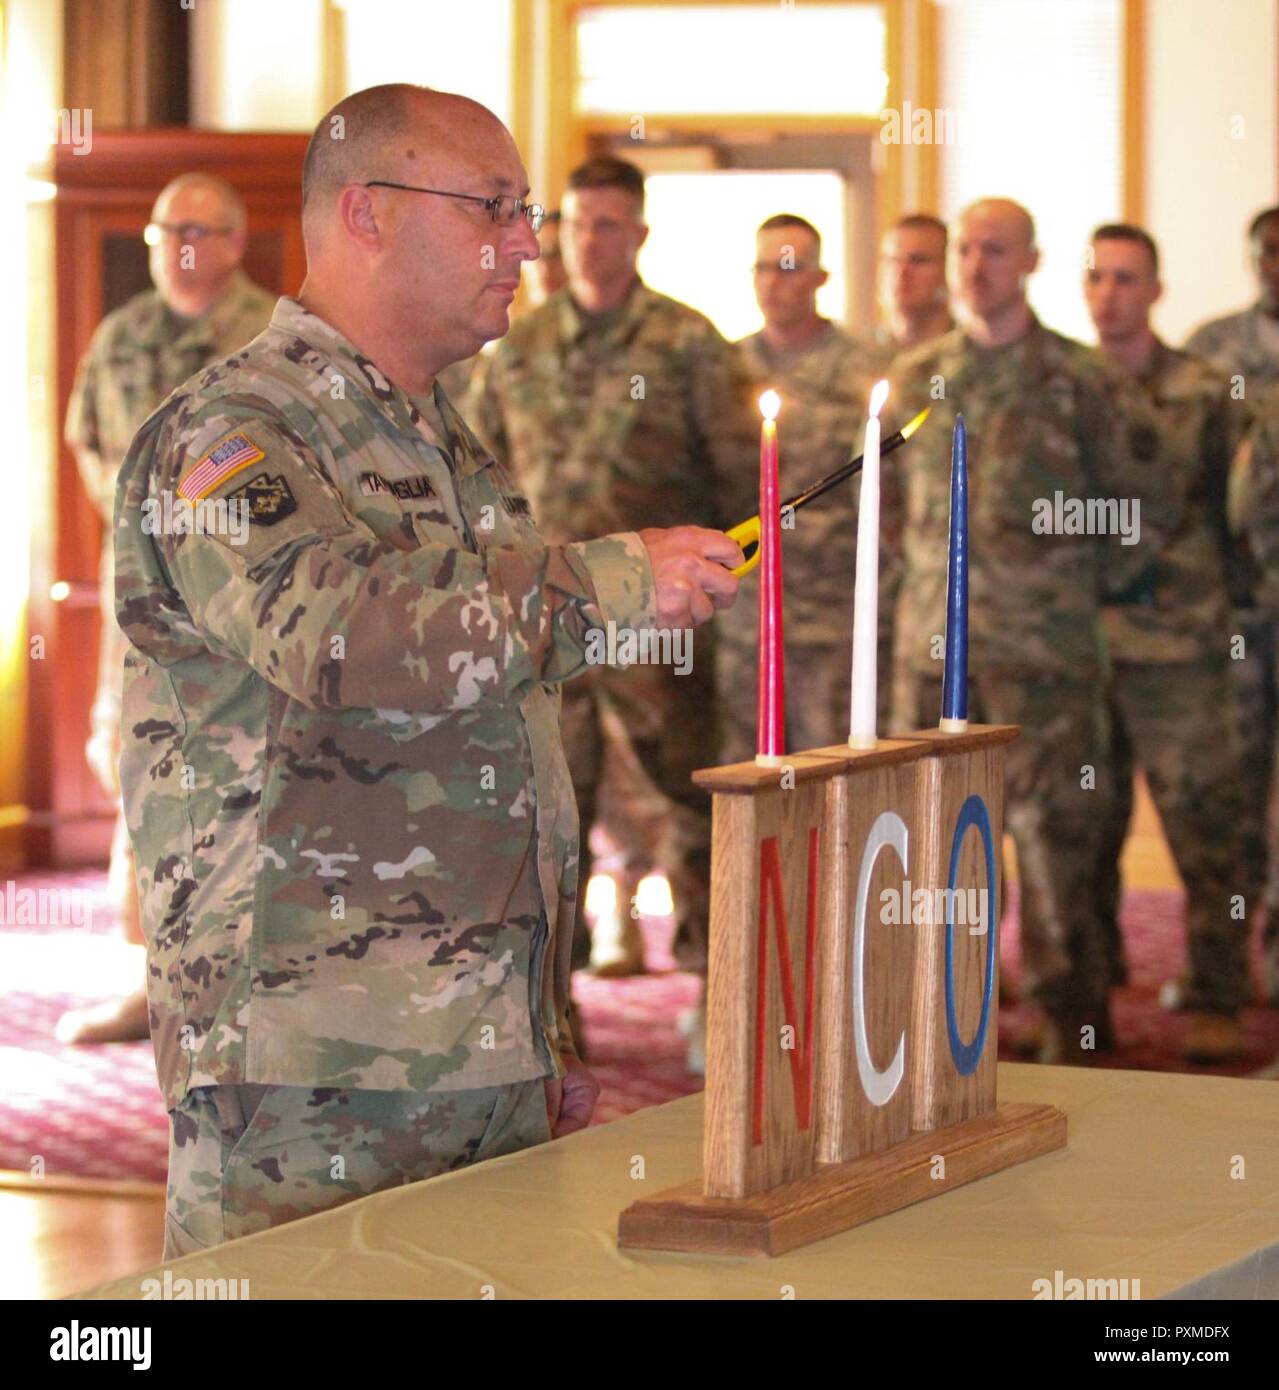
(1255, 513)
(912, 287)
(354, 827)
(824, 380)
(615, 405)
(1244, 347)
(1169, 639)
(1044, 427)
(202, 306)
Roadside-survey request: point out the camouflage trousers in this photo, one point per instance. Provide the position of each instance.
(1175, 722)
(1053, 809)
(245, 1158)
(670, 726)
(1254, 682)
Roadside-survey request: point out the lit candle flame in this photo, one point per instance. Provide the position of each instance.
(877, 398)
(770, 403)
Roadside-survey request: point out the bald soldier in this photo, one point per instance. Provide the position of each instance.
(1046, 439)
(1244, 347)
(1169, 639)
(356, 840)
(202, 306)
(824, 378)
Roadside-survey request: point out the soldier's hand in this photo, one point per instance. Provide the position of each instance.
(692, 572)
(570, 1103)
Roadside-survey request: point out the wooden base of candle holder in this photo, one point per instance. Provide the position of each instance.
(839, 1196)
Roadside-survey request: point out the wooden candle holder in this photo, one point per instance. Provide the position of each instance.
(852, 998)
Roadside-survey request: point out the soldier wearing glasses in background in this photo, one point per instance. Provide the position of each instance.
(202, 307)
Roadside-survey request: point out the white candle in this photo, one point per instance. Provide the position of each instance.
(861, 732)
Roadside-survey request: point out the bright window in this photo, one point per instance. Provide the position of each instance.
(702, 244)
(1034, 99)
(723, 59)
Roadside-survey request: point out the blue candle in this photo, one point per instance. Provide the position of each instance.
(954, 700)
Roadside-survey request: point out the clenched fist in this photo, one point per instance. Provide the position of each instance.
(692, 573)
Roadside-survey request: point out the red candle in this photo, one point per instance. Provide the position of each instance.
(770, 698)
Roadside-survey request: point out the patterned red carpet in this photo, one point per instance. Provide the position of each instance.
(96, 1111)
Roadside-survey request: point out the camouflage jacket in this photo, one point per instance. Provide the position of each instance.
(1049, 428)
(824, 394)
(1236, 346)
(1257, 496)
(355, 832)
(139, 353)
(1178, 608)
(642, 422)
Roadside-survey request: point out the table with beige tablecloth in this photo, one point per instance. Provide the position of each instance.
(1148, 1188)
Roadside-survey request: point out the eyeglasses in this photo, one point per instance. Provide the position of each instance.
(505, 209)
(155, 232)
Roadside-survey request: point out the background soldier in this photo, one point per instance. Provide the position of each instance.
(1169, 638)
(913, 297)
(1042, 420)
(1245, 348)
(546, 274)
(202, 306)
(615, 405)
(356, 840)
(823, 378)
(1255, 511)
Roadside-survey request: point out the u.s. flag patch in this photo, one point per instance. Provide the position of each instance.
(225, 459)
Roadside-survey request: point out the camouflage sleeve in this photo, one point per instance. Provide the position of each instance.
(724, 425)
(1119, 440)
(1260, 458)
(482, 408)
(82, 433)
(335, 617)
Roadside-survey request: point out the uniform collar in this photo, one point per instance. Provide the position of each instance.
(317, 335)
(205, 331)
(573, 323)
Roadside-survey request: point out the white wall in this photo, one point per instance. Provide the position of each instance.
(1212, 148)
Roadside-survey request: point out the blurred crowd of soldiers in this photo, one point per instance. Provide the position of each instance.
(618, 407)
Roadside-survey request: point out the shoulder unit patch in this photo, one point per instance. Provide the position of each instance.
(269, 500)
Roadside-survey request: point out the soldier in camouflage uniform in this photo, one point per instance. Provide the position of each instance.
(1169, 640)
(1244, 347)
(614, 405)
(1255, 502)
(912, 288)
(1043, 424)
(202, 307)
(824, 380)
(354, 827)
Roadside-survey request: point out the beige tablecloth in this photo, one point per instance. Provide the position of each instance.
(1143, 1191)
